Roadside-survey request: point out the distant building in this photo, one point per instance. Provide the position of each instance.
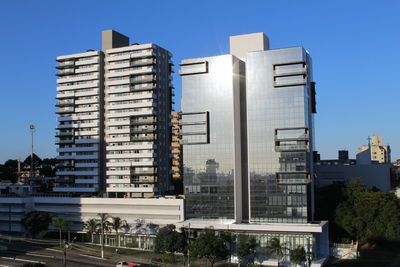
(344, 169)
(378, 152)
(176, 153)
(176, 147)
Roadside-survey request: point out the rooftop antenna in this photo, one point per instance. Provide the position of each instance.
(32, 128)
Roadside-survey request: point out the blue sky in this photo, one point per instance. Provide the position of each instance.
(354, 46)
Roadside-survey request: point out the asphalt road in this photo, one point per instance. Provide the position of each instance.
(20, 252)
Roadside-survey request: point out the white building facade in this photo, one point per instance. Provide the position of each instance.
(114, 109)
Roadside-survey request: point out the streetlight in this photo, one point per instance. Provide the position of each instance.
(32, 128)
(66, 246)
(188, 246)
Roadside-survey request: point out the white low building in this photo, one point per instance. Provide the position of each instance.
(160, 211)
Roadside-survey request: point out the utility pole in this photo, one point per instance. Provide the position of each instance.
(189, 246)
(32, 128)
(9, 222)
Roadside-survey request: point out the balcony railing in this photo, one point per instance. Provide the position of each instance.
(65, 64)
(144, 138)
(283, 83)
(141, 62)
(65, 110)
(142, 80)
(67, 102)
(143, 130)
(61, 133)
(143, 122)
(291, 148)
(65, 72)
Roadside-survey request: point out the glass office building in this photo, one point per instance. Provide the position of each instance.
(211, 137)
(280, 103)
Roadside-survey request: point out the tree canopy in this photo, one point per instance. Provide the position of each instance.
(36, 222)
(247, 248)
(210, 246)
(368, 215)
(298, 255)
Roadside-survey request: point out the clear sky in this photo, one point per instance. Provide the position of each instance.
(354, 46)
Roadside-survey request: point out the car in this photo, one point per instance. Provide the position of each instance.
(126, 264)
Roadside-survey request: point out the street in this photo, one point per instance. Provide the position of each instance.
(20, 252)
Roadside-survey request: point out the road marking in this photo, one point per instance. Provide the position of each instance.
(94, 257)
(53, 249)
(20, 259)
(40, 255)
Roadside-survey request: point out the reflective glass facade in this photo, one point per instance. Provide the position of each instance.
(279, 129)
(211, 136)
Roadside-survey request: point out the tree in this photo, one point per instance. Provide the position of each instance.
(210, 246)
(104, 226)
(62, 225)
(367, 215)
(36, 222)
(247, 249)
(276, 248)
(169, 240)
(298, 255)
(49, 167)
(91, 226)
(229, 239)
(327, 200)
(117, 224)
(9, 170)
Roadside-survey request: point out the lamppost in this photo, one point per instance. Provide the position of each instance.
(32, 128)
(188, 250)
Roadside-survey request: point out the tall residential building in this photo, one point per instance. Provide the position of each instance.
(378, 152)
(115, 107)
(79, 130)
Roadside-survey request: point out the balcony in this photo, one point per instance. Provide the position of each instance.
(64, 141)
(64, 133)
(283, 148)
(142, 80)
(65, 72)
(136, 88)
(143, 172)
(65, 64)
(144, 138)
(289, 72)
(65, 110)
(143, 122)
(143, 130)
(284, 83)
(142, 62)
(65, 102)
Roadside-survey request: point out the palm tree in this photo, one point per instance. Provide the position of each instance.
(62, 225)
(118, 224)
(104, 227)
(277, 248)
(91, 226)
